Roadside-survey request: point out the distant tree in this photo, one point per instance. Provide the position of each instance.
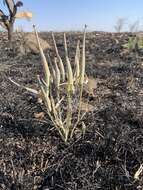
(120, 24)
(133, 27)
(7, 21)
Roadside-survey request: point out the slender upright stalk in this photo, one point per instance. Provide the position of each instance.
(82, 74)
(61, 65)
(70, 89)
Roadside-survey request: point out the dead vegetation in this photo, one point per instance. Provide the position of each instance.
(7, 21)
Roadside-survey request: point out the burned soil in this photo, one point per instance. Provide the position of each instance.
(108, 155)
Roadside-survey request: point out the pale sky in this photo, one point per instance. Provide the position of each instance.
(59, 15)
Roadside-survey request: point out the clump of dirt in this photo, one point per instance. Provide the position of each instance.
(107, 156)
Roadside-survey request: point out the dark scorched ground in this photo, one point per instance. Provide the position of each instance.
(32, 155)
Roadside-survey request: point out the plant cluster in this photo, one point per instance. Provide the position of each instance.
(134, 43)
(61, 88)
(59, 77)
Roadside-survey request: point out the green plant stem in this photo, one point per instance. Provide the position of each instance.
(69, 111)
